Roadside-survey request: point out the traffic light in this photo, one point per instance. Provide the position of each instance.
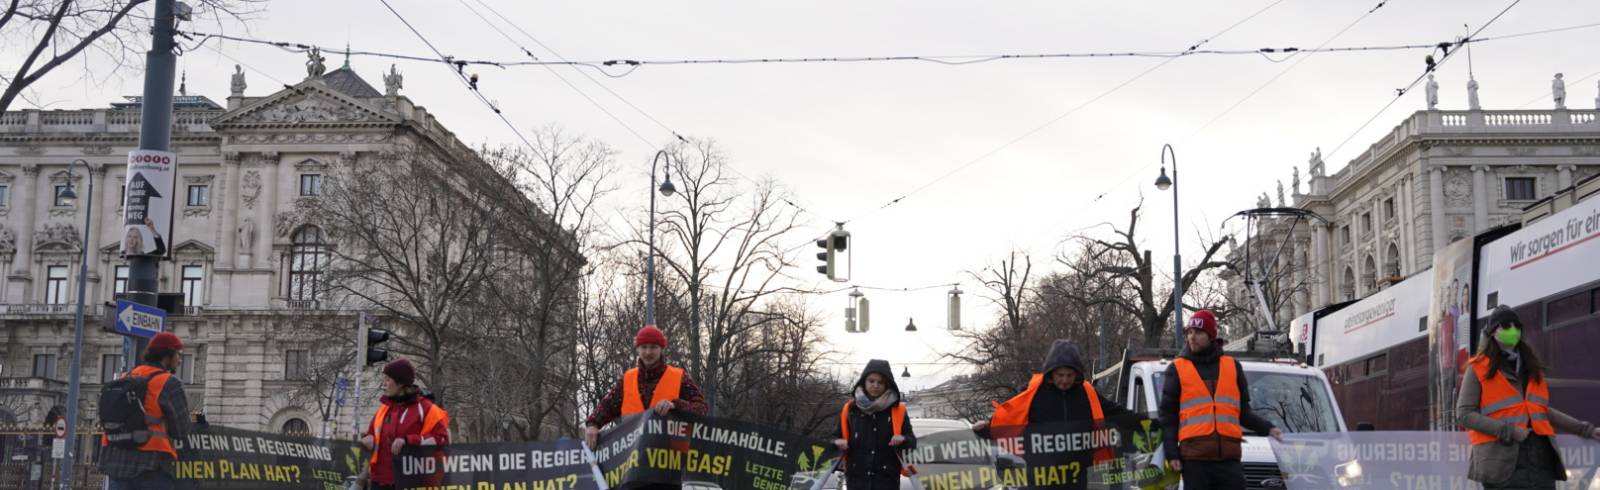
(369, 349)
(835, 251)
(827, 257)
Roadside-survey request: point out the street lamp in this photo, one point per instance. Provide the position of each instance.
(1163, 183)
(71, 198)
(666, 190)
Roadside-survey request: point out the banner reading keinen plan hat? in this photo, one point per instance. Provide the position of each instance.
(1121, 452)
(547, 465)
(220, 458)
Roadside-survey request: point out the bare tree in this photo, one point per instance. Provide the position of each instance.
(1123, 265)
(53, 32)
(724, 244)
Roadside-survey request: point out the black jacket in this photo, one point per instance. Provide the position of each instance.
(1051, 404)
(870, 432)
(1172, 393)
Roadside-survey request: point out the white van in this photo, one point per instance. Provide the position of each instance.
(1284, 390)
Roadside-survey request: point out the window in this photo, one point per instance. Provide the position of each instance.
(296, 426)
(120, 284)
(122, 196)
(193, 285)
(1388, 209)
(294, 364)
(1378, 364)
(199, 195)
(1366, 224)
(44, 366)
(1571, 307)
(5, 195)
(110, 366)
(55, 286)
(1344, 236)
(61, 202)
(1521, 189)
(186, 369)
(311, 184)
(307, 258)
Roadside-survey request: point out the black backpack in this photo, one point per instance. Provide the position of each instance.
(122, 412)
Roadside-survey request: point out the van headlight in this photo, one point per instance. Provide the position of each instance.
(1349, 474)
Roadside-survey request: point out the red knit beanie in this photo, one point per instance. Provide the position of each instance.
(1203, 320)
(650, 335)
(401, 371)
(166, 342)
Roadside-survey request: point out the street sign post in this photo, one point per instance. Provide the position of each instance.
(137, 320)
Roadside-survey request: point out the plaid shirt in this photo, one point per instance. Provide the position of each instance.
(122, 464)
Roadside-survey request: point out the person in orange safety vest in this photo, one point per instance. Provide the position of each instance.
(1205, 409)
(405, 418)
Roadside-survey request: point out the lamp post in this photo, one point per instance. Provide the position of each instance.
(1163, 183)
(73, 387)
(666, 190)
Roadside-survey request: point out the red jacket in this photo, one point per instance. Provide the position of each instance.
(402, 418)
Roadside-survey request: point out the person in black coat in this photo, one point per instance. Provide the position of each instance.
(1059, 397)
(867, 432)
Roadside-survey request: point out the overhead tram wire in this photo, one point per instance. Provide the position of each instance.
(462, 77)
(564, 61)
(1058, 118)
(1140, 171)
(1400, 93)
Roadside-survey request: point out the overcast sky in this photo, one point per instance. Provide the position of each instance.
(845, 138)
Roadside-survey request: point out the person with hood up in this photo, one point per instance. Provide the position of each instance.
(1205, 407)
(1068, 396)
(873, 429)
(1505, 405)
(406, 418)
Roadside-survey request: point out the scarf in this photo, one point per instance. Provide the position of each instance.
(867, 404)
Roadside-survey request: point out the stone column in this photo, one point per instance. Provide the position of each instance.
(225, 198)
(1436, 208)
(268, 202)
(27, 192)
(1564, 175)
(1480, 198)
(1319, 263)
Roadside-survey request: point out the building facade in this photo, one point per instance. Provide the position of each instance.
(247, 269)
(1436, 177)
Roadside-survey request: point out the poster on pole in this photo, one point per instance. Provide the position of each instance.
(147, 219)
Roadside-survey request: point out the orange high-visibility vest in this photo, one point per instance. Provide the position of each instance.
(666, 390)
(430, 420)
(1202, 413)
(1500, 400)
(153, 421)
(1014, 412)
(897, 416)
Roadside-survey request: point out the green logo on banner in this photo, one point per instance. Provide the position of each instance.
(813, 461)
(1148, 438)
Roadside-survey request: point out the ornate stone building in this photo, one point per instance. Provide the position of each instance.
(1437, 177)
(246, 267)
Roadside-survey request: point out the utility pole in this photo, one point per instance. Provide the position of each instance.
(155, 133)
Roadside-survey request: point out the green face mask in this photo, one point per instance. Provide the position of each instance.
(1508, 337)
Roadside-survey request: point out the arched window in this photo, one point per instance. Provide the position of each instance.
(307, 258)
(296, 426)
(1391, 265)
(1369, 273)
(1348, 286)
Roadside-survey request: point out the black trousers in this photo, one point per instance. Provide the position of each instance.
(1208, 475)
(873, 482)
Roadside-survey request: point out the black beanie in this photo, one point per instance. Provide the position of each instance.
(1502, 316)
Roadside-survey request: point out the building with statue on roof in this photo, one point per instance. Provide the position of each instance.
(1438, 176)
(246, 266)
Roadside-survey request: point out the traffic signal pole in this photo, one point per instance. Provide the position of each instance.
(155, 133)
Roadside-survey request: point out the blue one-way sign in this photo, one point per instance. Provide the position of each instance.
(139, 320)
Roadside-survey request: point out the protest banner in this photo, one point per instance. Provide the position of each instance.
(547, 465)
(1406, 459)
(678, 448)
(1119, 453)
(220, 458)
